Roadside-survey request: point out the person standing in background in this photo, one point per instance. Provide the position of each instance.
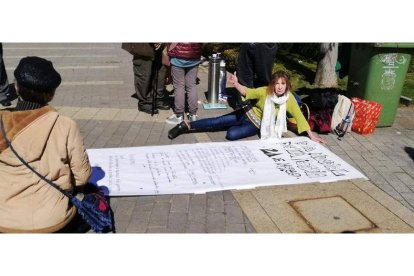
(254, 65)
(4, 83)
(146, 60)
(162, 69)
(184, 59)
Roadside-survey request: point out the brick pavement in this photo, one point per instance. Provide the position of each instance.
(96, 88)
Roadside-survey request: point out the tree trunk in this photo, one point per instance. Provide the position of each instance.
(325, 71)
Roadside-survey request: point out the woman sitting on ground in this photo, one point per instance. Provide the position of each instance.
(267, 115)
(48, 142)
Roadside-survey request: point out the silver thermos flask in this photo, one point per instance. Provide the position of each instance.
(214, 78)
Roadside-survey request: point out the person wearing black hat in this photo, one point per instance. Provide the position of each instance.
(48, 142)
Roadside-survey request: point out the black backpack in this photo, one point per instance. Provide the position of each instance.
(322, 99)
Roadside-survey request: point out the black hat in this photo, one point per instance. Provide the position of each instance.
(37, 73)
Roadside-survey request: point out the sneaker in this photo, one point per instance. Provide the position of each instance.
(178, 130)
(174, 119)
(193, 118)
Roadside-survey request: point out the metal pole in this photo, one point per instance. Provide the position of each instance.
(155, 68)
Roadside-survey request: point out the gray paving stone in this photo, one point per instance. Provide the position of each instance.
(197, 208)
(249, 226)
(215, 202)
(139, 221)
(345, 146)
(113, 201)
(228, 197)
(144, 206)
(235, 228)
(337, 149)
(406, 179)
(180, 203)
(364, 166)
(354, 155)
(157, 229)
(389, 166)
(110, 129)
(234, 214)
(389, 190)
(129, 137)
(216, 223)
(163, 198)
(144, 132)
(116, 138)
(177, 222)
(409, 170)
(146, 199)
(123, 213)
(196, 227)
(409, 198)
(159, 215)
(394, 181)
(400, 160)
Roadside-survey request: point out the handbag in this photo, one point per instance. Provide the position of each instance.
(320, 120)
(92, 207)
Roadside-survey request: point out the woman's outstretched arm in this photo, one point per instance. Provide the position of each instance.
(234, 80)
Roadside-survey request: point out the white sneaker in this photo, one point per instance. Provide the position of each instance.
(193, 118)
(174, 119)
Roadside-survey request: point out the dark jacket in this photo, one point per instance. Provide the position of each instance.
(142, 50)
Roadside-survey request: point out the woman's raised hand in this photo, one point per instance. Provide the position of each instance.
(233, 78)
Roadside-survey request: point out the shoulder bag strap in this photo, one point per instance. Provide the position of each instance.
(70, 196)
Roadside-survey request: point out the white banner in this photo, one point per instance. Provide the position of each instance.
(205, 167)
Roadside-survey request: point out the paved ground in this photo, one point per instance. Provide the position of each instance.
(96, 88)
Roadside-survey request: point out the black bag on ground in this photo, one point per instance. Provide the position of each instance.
(321, 99)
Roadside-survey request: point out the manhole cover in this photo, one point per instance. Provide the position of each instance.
(331, 215)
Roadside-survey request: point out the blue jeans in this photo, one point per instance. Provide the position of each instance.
(237, 124)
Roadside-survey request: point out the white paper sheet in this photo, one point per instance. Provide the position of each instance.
(204, 167)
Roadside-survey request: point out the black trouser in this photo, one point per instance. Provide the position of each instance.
(144, 73)
(255, 64)
(4, 83)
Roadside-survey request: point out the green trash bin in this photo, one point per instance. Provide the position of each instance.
(377, 72)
